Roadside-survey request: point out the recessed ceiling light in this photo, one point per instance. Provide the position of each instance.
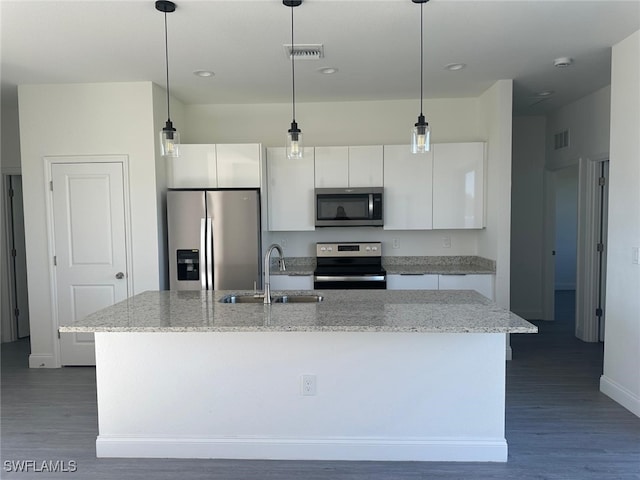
(562, 62)
(453, 67)
(203, 73)
(328, 70)
(544, 93)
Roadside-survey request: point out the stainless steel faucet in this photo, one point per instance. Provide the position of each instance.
(267, 269)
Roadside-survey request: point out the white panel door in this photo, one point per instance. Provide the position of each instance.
(407, 189)
(365, 166)
(90, 248)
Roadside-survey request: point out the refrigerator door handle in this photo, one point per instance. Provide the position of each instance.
(209, 254)
(203, 257)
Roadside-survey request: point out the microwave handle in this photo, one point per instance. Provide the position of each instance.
(371, 205)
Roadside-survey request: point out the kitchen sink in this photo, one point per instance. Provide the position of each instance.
(242, 299)
(299, 299)
(279, 299)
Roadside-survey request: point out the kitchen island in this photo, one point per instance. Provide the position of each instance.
(361, 375)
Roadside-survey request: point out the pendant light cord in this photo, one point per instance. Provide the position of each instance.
(293, 72)
(421, 57)
(166, 59)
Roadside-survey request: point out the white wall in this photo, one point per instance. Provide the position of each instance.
(85, 119)
(621, 378)
(494, 242)
(526, 216)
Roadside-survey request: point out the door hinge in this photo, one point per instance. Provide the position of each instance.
(55, 261)
(58, 333)
(600, 247)
(11, 193)
(602, 181)
(16, 312)
(598, 312)
(51, 185)
(14, 253)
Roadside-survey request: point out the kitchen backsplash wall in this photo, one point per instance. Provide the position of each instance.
(408, 243)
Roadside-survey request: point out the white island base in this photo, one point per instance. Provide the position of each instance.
(379, 395)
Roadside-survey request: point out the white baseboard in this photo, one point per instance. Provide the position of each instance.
(320, 448)
(617, 392)
(42, 361)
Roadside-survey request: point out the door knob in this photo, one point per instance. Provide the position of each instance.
(119, 275)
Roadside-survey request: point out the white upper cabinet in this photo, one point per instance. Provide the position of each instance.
(239, 165)
(407, 189)
(343, 167)
(366, 166)
(332, 167)
(290, 191)
(216, 166)
(194, 168)
(458, 185)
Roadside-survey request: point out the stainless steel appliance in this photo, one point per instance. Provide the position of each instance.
(343, 207)
(214, 239)
(348, 265)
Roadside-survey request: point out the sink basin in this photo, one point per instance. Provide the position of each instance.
(241, 299)
(280, 299)
(299, 299)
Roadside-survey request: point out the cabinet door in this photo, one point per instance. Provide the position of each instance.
(407, 189)
(290, 191)
(195, 168)
(238, 165)
(332, 167)
(412, 282)
(481, 283)
(291, 282)
(365, 166)
(458, 185)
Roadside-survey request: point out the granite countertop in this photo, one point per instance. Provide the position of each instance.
(414, 265)
(451, 311)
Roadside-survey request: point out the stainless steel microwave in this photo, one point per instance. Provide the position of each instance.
(349, 207)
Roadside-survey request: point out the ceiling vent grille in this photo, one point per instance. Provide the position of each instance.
(561, 140)
(304, 52)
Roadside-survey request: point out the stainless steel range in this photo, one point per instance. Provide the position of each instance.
(347, 265)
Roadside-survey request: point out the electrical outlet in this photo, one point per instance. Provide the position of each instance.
(446, 242)
(635, 255)
(308, 385)
(396, 243)
(283, 242)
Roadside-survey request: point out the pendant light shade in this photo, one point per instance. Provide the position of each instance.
(421, 132)
(294, 147)
(169, 136)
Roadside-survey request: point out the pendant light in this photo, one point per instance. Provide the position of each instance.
(169, 136)
(294, 134)
(421, 133)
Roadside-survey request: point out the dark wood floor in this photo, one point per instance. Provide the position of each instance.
(558, 425)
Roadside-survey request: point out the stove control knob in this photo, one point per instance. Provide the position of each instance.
(375, 249)
(330, 249)
(323, 249)
(368, 249)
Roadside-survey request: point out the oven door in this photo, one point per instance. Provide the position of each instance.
(349, 282)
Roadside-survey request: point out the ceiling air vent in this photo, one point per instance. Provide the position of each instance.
(304, 52)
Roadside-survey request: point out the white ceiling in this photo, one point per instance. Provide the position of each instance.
(373, 43)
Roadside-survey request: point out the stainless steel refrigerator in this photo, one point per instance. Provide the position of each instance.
(214, 239)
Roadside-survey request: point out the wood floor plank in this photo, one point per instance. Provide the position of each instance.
(558, 424)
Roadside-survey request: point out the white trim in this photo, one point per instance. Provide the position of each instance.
(48, 162)
(618, 393)
(315, 448)
(43, 361)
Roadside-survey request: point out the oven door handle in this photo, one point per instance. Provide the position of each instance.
(349, 278)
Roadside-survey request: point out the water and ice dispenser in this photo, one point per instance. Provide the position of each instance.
(188, 264)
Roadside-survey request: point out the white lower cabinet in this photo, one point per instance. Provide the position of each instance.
(291, 282)
(481, 283)
(412, 282)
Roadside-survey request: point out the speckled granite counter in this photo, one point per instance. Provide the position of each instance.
(341, 311)
(413, 265)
